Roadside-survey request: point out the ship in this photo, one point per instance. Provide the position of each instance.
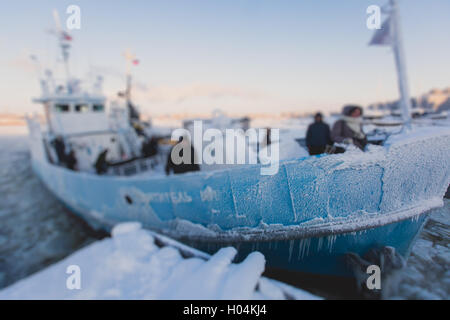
(311, 216)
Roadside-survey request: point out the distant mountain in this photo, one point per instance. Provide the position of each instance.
(7, 119)
(435, 100)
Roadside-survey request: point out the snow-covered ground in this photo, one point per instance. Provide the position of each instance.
(427, 274)
(130, 265)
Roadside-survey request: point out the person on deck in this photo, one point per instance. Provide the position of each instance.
(349, 129)
(181, 168)
(60, 149)
(150, 147)
(71, 160)
(318, 136)
(101, 165)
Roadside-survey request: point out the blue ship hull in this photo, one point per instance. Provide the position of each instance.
(305, 218)
(326, 255)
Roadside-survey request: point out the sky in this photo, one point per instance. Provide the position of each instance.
(244, 56)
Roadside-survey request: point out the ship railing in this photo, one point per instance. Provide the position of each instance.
(134, 166)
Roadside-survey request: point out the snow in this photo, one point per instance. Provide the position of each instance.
(427, 274)
(288, 149)
(131, 265)
(418, 133)
(418, 168)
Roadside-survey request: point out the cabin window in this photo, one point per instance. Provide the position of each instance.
(62, 108)
(83, 108)
(98, 108)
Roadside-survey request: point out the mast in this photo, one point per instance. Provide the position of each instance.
(390, 35)
(400, 62)
(64, 43)
(130, 60)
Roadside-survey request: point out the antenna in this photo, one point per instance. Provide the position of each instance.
(42, 81)
(37, 64)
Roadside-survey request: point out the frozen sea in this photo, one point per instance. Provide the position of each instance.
(37, 231)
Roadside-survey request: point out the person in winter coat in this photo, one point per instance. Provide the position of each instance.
(150, 147)
(349, 129)
(71, 160)
(318, 136)
(101, 165)
(60, 149)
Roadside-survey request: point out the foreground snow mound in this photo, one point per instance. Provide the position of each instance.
(131, 265)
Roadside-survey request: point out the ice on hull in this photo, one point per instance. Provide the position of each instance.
(326, 255)
(382, 193)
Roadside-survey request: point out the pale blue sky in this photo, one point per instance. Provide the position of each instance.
(240, 56)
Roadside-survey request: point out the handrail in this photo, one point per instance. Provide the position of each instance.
(132, 167)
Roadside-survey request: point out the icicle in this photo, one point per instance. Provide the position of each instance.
(308, 244)
(331, 241)
(300, 249)
(291, 248)
(303, 248)
(319, 244)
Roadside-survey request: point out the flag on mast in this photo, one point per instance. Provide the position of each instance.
(66, 36)
(383, 36)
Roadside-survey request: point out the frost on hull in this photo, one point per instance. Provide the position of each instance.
(309, 198)
(307, 192)
(420, 171)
